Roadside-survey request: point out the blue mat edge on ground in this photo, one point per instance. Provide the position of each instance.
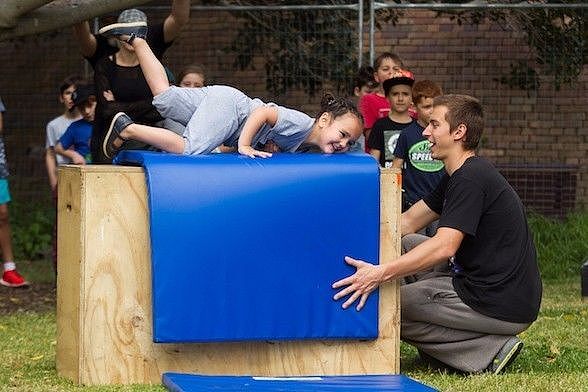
(179, 382)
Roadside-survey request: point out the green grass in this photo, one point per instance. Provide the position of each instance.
(555, 357)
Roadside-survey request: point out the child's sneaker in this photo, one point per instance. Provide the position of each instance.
(13, 279)
(128, 29)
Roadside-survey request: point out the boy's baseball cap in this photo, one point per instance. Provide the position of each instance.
(131, 16)
(82, 93)
(402, 77)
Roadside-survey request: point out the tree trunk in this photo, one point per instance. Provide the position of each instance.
(27, 19)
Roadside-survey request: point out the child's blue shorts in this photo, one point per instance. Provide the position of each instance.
(4, 192)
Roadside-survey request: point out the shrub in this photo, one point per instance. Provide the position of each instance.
(32, 228)
(562, 246)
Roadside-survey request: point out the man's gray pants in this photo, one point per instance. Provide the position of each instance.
(438, 323)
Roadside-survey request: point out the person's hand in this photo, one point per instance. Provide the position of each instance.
(77, 158)
(360, 285)
(108, 95)
(252, 152)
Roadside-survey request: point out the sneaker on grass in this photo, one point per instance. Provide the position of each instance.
(506, 355)
(13, 279)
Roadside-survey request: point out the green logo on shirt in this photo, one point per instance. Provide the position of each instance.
(419, 156)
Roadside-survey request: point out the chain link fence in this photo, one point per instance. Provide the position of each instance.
(537, 120)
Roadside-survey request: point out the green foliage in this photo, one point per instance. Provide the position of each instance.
(311, 50)
(562, 246)
(521, 76)
(32, 228)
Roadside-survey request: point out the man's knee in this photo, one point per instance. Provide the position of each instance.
(410, 241)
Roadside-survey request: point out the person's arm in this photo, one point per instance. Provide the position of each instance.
(375, 153)
(259, 117)
(397, 163)
(51, 165)
(76, 157)
(86, 40)
(368, 276)
(1, 123)
(416, 217)
(176, 20)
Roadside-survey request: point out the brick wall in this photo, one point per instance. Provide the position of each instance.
(544, 127)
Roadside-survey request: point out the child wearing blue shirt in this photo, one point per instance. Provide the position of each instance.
(75, 142)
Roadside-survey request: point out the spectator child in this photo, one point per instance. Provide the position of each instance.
(385, 131)
(10, 277)
(57, 126)
(218, 115)
(75, 142)
(364, 82)
(375, 105)
(192, 76)
(420, 172)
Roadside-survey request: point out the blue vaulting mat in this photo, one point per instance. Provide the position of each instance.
(247, 249)
(177, 382)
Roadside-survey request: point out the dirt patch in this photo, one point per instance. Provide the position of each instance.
(39, 297)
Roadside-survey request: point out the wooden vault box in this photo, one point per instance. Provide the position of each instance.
(104, 317)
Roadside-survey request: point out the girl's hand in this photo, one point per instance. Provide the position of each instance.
(252, 152)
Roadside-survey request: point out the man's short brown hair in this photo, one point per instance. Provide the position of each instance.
(466, 110)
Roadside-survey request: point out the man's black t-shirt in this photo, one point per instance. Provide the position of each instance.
(495, 270)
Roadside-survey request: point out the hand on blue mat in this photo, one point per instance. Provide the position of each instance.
(366, 279)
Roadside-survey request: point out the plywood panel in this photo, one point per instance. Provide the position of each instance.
(106, 297)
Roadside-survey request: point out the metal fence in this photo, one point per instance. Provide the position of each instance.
(537, 122)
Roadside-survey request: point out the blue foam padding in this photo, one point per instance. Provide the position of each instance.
(177, 382)
(247, 249)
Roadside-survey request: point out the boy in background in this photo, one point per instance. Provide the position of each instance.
(385, 131)
(10, 277)
(75, 142)
(57, 126)
(420, 172)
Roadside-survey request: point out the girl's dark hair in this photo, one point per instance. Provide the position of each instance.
(192, 68)
(364, 77)
(338, 106)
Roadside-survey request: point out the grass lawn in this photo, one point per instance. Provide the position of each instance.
(555, 357)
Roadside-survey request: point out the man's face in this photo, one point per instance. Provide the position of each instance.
(438, 133)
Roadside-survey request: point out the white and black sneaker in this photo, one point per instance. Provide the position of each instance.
(125, 29)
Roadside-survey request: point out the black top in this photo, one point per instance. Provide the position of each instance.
(383, 137)
(132, 94)
(495, 270)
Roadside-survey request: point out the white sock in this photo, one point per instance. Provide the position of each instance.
(9, 266)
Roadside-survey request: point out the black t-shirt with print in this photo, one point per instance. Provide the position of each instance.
(383, 137)
(495, 270)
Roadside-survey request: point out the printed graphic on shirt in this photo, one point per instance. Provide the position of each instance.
(390, 140)
(419, 156)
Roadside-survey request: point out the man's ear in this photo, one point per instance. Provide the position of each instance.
(460, 132)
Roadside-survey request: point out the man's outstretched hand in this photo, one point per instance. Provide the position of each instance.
(359, 285)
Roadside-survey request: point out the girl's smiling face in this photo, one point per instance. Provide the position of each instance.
(340, 133)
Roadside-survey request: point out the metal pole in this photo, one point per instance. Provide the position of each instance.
(360, 34)
(372, 30)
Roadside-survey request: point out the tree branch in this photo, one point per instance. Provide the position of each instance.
(62, 13)
(12, 9)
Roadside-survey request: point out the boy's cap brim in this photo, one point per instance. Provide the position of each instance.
(407, 79)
